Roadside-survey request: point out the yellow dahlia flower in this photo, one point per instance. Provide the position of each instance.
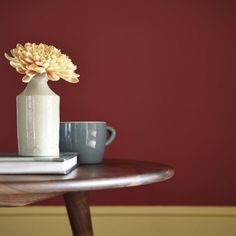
(32, 59)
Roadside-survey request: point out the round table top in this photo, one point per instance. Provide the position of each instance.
(109, 174)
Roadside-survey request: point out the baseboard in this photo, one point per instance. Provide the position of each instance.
(122, 221)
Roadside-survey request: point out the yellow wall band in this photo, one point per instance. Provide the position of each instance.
(122, 221)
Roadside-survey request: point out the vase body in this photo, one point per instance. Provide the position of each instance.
(38, 119)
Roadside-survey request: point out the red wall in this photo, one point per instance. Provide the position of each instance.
(161, 72)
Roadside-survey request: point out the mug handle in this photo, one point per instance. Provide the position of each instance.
(112, 132)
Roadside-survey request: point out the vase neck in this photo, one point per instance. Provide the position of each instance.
(38, 85)
(40, 77)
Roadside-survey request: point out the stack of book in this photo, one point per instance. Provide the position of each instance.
(14, 164)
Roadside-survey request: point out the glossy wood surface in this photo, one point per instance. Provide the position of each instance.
(79, 213)
(18, 190)
(110, 174)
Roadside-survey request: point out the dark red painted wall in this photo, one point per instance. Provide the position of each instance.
(161, 72)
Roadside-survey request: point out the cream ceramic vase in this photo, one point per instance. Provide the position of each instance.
(38, 119)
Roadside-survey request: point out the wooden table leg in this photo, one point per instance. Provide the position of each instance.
(79, 213)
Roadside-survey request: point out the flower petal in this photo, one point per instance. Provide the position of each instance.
(26, 79)
(8, 57)
(14, 64)
(32, 58)
(54, 76)
(20, 70)
(71, 79)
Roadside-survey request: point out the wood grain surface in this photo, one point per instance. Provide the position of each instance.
(79, 213)
(110, 174)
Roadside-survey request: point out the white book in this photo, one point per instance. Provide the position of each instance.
(14, 164)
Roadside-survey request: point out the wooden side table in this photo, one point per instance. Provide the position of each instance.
(20, 190)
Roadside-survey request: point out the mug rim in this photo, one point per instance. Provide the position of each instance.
(103, 122)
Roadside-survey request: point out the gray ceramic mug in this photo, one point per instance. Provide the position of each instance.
(88, 138)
